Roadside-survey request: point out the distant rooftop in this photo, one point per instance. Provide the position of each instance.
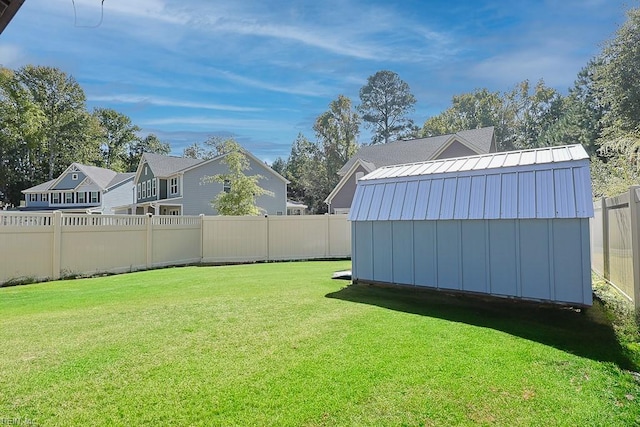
(421, 149)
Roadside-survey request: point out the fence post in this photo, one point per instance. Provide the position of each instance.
(605, 238)
(266, 219)
(56, 223)
(634, 213)
(149, 241)
(201, 237)
(328, 245)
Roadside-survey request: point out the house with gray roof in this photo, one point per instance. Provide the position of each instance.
(169, 185)
(371, 157)
(82, 188)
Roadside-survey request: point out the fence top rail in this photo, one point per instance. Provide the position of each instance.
(175, 220)
(617, 201)
(21, 219)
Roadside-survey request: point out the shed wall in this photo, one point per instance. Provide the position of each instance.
(542, 259)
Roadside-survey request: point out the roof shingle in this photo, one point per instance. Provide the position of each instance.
(415, 150)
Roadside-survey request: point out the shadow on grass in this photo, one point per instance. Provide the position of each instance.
(585, 332)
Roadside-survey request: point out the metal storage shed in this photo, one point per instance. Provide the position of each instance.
(511, 224)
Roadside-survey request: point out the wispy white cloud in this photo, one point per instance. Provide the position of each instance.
(350, 29)
(166, 102)
(218, 122)
(327, 41)
(307, 88)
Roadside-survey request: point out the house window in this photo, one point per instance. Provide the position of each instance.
(226, 186)
(153, 187)
(144, 190)
(148, 188)
(139, 195)
(81, 198)
(55, 198)
(173, 186)
(279, 213)
(146, 170)
(95, 197)
(68, 198)
(33, 197)
(74, 176)
(44, 197)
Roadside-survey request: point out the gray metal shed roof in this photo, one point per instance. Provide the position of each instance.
(551, 182)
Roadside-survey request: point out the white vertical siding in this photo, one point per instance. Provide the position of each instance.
(476, 205)
(398, 201)
(463, 195)
(524, 258)
(509, 196)
(510, 224)
(435, 199)
(422, 201)
(492, 197)
(526, 197)
(387, 199)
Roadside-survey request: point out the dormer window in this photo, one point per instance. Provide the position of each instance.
(146, 170)
(74, 176)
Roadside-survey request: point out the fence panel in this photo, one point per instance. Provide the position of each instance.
(26, 246)
(50, 245)
(615, 242)
(176, 240)
(234, 239)
(298, 237)
(92, 244)
(339, 236)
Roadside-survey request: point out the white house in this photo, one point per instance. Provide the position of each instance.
(82, 188)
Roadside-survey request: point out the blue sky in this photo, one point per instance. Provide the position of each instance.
(262, 71)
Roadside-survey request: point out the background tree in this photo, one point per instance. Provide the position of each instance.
(581, 112)
(521, 116)
(117, 138)
(534, 110)
(385, 102)
(67, 130)
(616, 83)
(306, 171)
(213, 146)
(279, 165)
(20, 138)
(337, 130)
(243, 190)
(194, 151)
(148, 144)
(478, 109)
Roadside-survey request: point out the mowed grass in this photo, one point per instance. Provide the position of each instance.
(283, 344)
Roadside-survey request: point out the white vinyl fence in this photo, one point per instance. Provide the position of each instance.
(615, 242)
(38, 246)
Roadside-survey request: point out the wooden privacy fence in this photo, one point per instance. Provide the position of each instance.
(52, 245)
(615, 242)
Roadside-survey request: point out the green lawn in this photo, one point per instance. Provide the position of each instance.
(283, 344)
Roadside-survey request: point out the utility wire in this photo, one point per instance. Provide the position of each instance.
(75, 16)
